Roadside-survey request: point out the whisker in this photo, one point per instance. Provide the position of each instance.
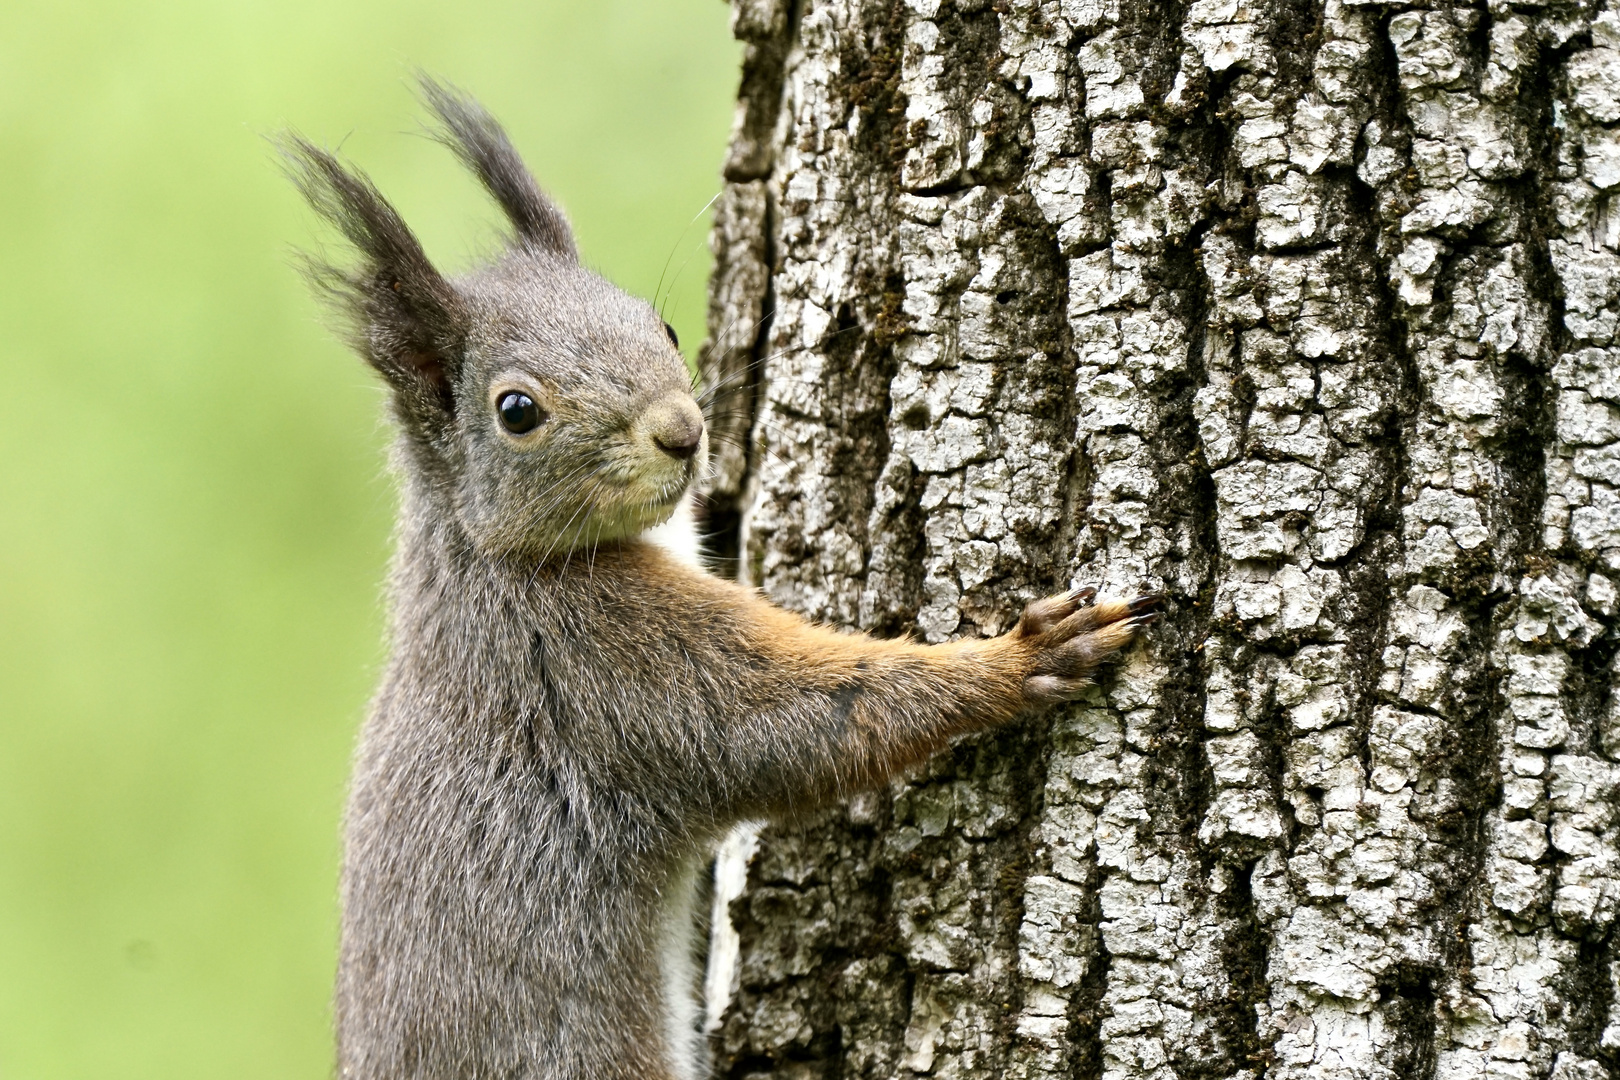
(747, 445)
(573, 545)
(541, 562)
(751, 366)
(677, 278)
(590, 564)
(724, 333)
(657, 289)
(753, 327)
(558, 538)
(553, 494)
(549, 497)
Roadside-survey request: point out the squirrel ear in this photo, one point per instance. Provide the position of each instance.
(483, 147)
(404, 317)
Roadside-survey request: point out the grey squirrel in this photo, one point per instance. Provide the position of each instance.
(574, 710)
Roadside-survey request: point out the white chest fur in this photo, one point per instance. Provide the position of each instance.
(677, 949)
(679, 535)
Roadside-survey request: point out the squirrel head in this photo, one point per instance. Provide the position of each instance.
(540, 404)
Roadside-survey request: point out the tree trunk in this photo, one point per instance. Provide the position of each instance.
(1303, 313)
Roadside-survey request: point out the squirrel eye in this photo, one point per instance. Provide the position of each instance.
(673, 340)
(519, 413)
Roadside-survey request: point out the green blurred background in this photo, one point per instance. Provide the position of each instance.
(194, 513)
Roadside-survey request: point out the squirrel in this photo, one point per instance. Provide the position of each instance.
(574, 710)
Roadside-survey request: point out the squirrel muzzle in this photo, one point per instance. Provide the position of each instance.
(675, 425)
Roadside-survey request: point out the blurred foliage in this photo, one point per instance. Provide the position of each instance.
(194, 511)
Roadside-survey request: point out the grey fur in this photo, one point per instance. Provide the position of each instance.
(570, 716)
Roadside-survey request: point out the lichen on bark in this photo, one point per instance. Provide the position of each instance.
(1302, 311)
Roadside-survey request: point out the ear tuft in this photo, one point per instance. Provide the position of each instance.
(475, 137)
(404, 317)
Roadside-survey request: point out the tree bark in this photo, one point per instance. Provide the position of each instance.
(1301, 312)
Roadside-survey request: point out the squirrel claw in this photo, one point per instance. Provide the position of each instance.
(1147, 602)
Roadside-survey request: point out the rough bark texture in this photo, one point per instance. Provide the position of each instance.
(1302, 312)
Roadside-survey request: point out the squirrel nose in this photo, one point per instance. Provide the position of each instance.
(677, 428)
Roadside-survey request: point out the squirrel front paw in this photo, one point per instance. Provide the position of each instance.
(1070, 635)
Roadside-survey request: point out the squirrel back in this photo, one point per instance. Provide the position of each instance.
(574, 710)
